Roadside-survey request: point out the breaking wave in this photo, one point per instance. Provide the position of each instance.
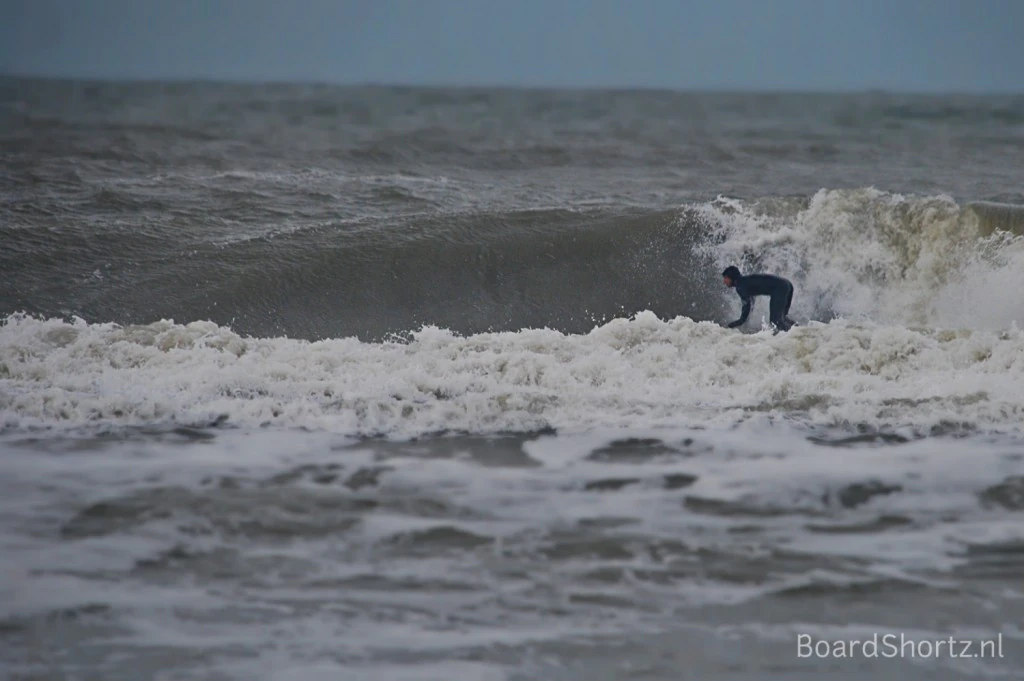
(863, 254)
(869, 255)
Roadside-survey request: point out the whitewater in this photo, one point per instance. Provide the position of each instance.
(640, 372)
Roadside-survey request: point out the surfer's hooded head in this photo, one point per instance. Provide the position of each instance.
(730, 275)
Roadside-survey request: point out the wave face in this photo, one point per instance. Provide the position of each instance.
(863, 254)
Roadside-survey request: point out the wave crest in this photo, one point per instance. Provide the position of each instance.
(888, 258)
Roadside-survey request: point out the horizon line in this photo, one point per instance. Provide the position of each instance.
(442, 85)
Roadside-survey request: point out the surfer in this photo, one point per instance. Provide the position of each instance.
(780, 290)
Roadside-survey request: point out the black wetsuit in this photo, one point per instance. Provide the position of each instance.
(780, 290)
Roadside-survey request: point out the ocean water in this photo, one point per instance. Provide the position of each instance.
(311, 382)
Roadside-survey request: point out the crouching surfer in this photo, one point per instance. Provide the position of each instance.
(780, 291)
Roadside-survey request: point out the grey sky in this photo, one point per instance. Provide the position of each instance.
(912, 45)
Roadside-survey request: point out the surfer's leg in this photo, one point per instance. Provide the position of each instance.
(789, 302)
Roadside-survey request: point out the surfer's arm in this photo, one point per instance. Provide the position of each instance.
(744, 313)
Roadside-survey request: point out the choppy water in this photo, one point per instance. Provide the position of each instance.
(445, 394)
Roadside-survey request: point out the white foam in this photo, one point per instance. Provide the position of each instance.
(870, 255)
(637, 373)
